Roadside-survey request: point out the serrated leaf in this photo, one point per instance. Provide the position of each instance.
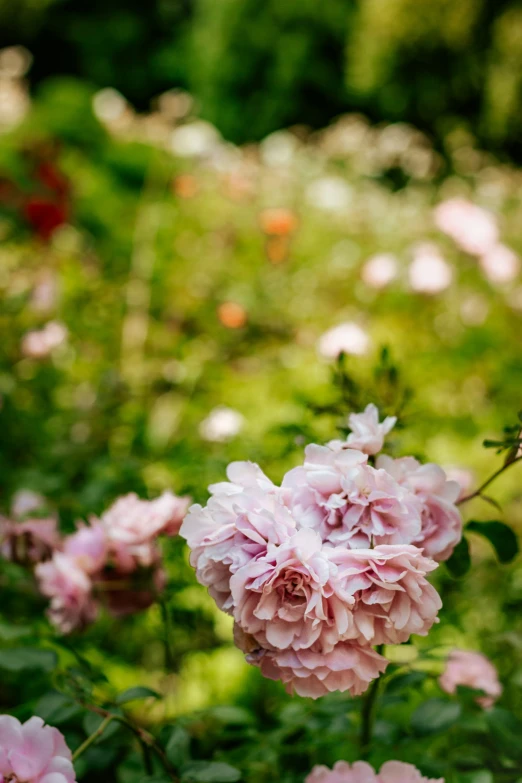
(55, 708)
(460, 562)
(17, 659)
(502, 538)
(210, 772)
(435, 715)
(177, 747)
(138, 692)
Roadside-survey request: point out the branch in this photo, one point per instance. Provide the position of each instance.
(492, 478)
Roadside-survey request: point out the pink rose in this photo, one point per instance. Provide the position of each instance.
(441, 527)
(28, 542)
(349, 502)
(473, 670)
(87, 547)
(70, 590)
(367, 433)
(286, 598)
(239, 521)
(361, 772)
(392, 598)
(347, 667)
(33, 753)
(429, 272)
(133, 521)
(472, 228)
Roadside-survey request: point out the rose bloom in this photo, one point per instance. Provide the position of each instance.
(367, 433)
(133, 522)
(286, 598)
(472, 228)
(473, 670)
(70, 590)
(346, 338)
(350, 502)
(429, 273)
(87, 547)
(441, 520)
(361, 772)
(380, 270)
(392, 598)
(241, 518)
(347, 667)
(28, 542)
(222, 424)
(500, 264)
(33, 753)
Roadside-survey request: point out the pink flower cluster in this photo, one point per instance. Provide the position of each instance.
(473, 670)
(317, 571)
(116, 557)
(361, 772)
(33, 753)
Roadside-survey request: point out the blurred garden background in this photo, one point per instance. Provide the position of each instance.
(202, 204)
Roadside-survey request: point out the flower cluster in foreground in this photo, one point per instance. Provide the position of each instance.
(115, 557)
(361, 772)
(33, 753)
(319, 570)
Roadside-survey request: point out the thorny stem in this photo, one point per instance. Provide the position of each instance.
(147, 740)
(94, 736)
(492, 478)
(368, 711)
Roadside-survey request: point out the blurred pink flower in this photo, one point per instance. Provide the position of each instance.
(361, 772)
(441, 520)
(240, 519)
(429, 272)
(221, 424)
(70, 590)
(87, 547)
(33, 752)
(367, 433)
(380, 270)
(25, 501)
(346, 338)
(350, 502)
(392, 598)
(39, 344)
(473, 670)
(132, 521)
(472, 228)
(28, 542)
(348, 667)
(500, 264)
(464, 477)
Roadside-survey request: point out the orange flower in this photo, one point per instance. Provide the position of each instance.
(278, 221)
(232, 315)
(185, 186)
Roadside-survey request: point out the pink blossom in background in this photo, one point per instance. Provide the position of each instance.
(25, 501)
(133, 521)
(350, 502)
(222, 424)
(346, 338)
(442, 523)
(361, 772)
(39, 344)
(500, 264)
(87, 547)
(429, 272)
(380, 270)
(28, 542)
(464, 477)
(473, 670)
(32, 752)
(472, 228)
(70, 589)
(367, 433)
(392, 598)
(348, 667)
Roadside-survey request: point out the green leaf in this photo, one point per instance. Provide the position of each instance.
(10, 632)
(506, 731)
(502, 538)
(435, 715)
(177, 748)
(210, 772)
(55, 708)
(138, 692)
(460, 562)
(231, 716)
(17, 659)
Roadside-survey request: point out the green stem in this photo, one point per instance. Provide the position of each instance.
(167, 625)
(94, 736)
(368, 716)
(490, 480)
